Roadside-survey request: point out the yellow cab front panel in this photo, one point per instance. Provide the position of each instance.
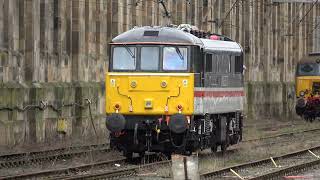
(304, 83)
(149, 93)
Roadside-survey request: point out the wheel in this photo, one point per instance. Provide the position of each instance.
(224, 148)
(128, 155)
(142, 154)
(188, 153)
(168, 155)
(214, 148)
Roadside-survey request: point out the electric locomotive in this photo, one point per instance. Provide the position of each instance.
(308, 87)
(174, 90)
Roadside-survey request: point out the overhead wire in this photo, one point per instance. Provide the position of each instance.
(307, 12)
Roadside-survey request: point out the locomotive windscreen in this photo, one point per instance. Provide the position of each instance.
(150, 58)
(308, 69)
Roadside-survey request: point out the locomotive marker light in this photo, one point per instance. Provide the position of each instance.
(302, 93)
(185, 83)
(166, 109)
(117, 107)
(179, 107)
(113, 82)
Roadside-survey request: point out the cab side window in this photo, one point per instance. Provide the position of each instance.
(208, 62)
(238, 65)
(224, 64)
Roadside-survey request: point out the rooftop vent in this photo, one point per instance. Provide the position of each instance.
(151, 33)
(314, 54)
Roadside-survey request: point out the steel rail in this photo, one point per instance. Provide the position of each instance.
(256, 163)
(61, 171)
(288, 170)
(282, 134)
(126, 172)
(19, 159)
(4, 156)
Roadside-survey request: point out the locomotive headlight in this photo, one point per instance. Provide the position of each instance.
(133, 84)
(163, 84)
(302, 93)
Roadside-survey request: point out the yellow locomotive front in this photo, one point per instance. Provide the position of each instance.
(308, 87)
(149, 93)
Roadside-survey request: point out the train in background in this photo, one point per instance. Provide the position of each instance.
(174, 90)
(307, 86)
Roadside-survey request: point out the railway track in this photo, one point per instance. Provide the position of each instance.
(20, 159)
(58, 173)
(105, 169)
(282, 135)
(125, 172)
(273, 167)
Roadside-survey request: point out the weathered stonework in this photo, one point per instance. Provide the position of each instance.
(36, 125)
(56, 51)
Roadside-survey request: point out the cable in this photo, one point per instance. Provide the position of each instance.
(93, 126)
(308, 12)
(228, 13)
(43, 105)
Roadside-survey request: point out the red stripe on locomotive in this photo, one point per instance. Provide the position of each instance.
(218, 93)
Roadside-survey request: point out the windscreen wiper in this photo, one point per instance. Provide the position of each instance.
(129, 51)
(179, 53)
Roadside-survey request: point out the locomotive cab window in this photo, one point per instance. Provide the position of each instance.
(238, 64)
(150, 58)
(208, 62)
(211, 63)
(215, 58)
(124, 58)
(224, 64)
(175, 58)
(308, 69)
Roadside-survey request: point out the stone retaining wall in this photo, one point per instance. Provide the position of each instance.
(39, 124)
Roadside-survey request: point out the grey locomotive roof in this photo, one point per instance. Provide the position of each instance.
(310, 58)
(162, 35)
(216, 46)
